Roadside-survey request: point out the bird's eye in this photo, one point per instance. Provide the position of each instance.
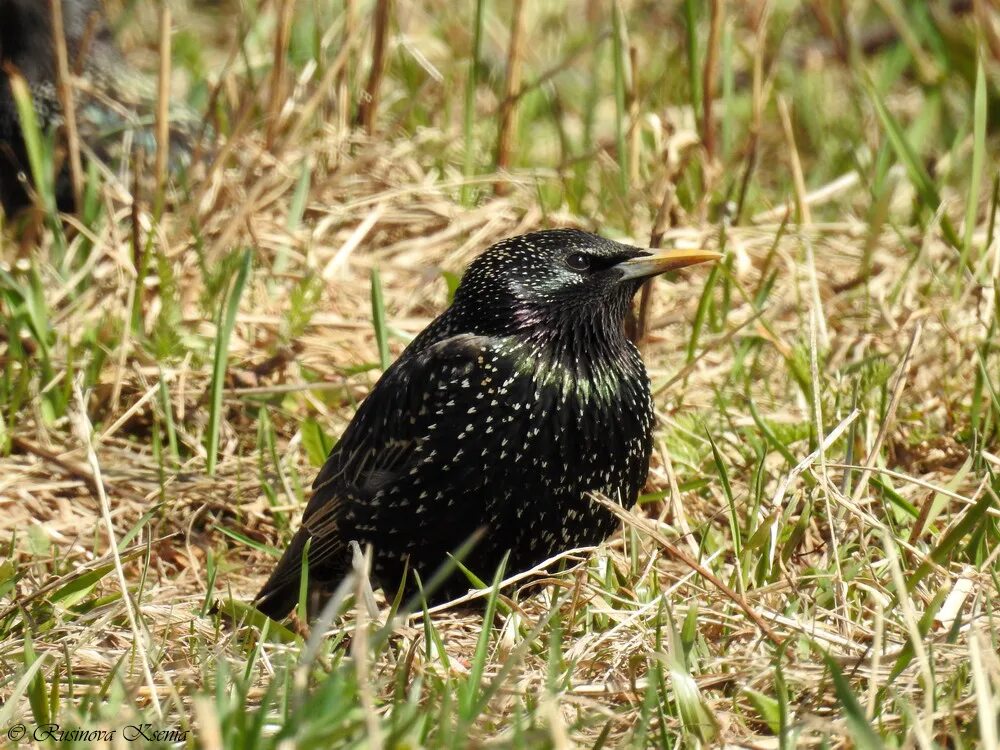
(578, 262)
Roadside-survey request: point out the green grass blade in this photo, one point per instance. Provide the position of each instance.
(921, 180)
(36, 687)
(942, 550)
(38, 154)
(77, 589)
(225, 330)
(693, 62)
(864, 736)
(478, 667)
(26, 684)
(303, 605)
(168, 419)
(734, 523)
(620, 54)
(701, 314)
(978, 159)
(378, 320)
(469, 112)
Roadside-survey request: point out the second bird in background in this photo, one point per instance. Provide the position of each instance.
(115, 104)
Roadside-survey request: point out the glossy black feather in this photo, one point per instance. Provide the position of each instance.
(502, 415)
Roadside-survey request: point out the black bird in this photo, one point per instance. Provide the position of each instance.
(501, 415)
(114, 108)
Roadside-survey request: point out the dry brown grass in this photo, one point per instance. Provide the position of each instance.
(848, 299)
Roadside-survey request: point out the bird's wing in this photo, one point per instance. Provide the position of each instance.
(415, 410)
(394, 419)
(399, 448)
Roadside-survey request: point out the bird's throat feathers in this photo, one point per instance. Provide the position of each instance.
(582, 339)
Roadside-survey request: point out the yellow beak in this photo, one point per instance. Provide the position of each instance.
(661, 261)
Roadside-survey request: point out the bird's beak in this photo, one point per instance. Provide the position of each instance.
(661, 261)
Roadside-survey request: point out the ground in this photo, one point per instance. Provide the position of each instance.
(814, 558)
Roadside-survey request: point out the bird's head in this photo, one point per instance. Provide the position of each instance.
(560, 278)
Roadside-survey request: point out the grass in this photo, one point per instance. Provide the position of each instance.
(814, 560)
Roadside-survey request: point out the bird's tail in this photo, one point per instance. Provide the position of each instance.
(280, 594)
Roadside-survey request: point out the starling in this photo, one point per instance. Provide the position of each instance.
(114, 107)
(502, 416)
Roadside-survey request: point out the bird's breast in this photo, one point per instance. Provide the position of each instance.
(590, 423)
